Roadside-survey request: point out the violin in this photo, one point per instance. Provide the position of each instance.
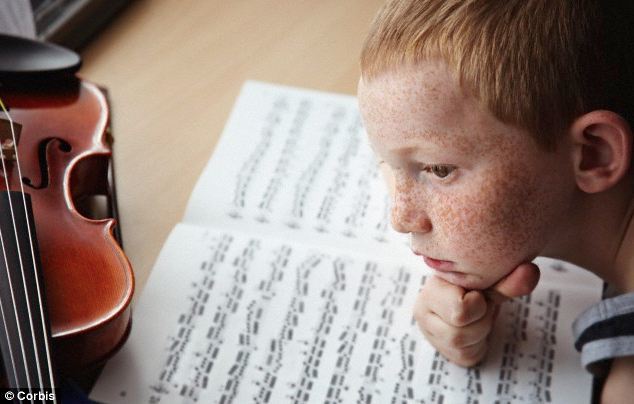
(65, 282)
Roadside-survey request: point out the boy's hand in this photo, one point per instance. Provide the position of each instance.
(457, 321)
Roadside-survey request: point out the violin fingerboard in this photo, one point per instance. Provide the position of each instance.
(24, 327)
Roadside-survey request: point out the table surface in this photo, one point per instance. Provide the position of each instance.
(174, 68)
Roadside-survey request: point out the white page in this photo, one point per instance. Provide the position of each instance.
(297, 163)
(229, 317)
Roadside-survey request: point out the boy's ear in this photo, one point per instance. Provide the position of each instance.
(602, 147)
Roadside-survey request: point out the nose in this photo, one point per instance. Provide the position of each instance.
(408, 213)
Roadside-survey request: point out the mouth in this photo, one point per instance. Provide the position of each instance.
(439, 265)
(446, 270)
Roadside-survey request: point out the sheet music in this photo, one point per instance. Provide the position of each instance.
(296, 163)
(284, 283)
(244, 319)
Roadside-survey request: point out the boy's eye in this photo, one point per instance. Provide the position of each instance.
(439, 170)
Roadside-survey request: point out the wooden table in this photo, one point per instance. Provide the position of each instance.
(174, 69)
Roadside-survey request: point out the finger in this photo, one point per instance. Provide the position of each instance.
(521, 281)
(466, 357)
(452, 303)
(440, 334)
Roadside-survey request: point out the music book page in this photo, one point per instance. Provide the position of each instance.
(285, 283)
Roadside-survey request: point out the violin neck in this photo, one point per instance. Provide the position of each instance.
(24, 326)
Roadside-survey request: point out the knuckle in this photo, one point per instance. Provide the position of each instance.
(471, 356)
(422, 319)
(468, 362)
(457, 340)
(459, 315)
(465, 357)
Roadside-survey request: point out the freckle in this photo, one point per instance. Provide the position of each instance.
(494, 217)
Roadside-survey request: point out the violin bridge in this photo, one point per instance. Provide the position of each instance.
(6, 138)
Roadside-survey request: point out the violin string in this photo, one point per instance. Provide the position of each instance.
(4, 319)
(34, 261)
(35, 268)
(33, 337)
(32, 248)
(47, 349)
(2, 312)
(17, 318)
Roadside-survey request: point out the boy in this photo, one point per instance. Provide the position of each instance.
(505, 127)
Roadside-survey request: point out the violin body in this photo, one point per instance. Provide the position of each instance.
(64, 152)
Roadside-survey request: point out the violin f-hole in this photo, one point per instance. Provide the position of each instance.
(43, 150)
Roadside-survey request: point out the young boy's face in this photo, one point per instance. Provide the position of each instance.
(478, 196)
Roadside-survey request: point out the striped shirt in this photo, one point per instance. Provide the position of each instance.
(605, 331)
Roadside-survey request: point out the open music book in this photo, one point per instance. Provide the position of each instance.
(285, 283)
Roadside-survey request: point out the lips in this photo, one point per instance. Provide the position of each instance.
(439, 265)
(435, 263)
(446, 271)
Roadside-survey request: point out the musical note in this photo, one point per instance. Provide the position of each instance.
(285, 283)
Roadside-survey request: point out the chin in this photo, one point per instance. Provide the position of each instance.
(464, 280)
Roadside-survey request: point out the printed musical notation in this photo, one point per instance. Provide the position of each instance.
(285, 284)
(309, 169)
(532, 349)
(268, 321)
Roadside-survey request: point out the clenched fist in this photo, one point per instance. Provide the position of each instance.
(457, 322)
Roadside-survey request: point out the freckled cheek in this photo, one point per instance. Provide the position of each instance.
(488, 230)
(462, 229)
